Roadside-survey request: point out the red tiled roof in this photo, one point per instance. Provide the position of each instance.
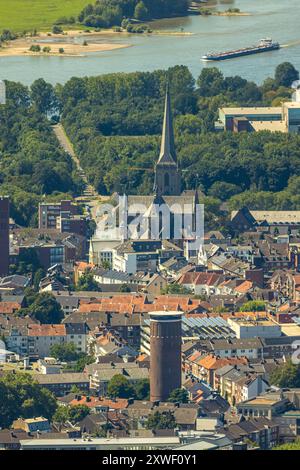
(118, 404)
(213, 362)
(46, 330)
(244, 287)
(9, 307)
(82, 265)
(196, 278)
(139, 304)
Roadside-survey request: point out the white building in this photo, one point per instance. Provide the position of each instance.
(254, 328)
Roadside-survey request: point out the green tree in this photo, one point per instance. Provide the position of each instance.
(35, 48)
(82, 361)
(210, 82)
(288, 446)
(179, 395)
(87, 282)
(65, 352)
(21, 396)
(223, 190)
(176, 289)
(159, 420)
(74, 414)
(78, 413)
(28, 262)
(142, 389)
(56, 29)
(38, 276)
(46, 309)
(120, 387)
(141, 12)
(61, 415)
(43, 96)
(253, 306)
(285, 74)
(286, 375)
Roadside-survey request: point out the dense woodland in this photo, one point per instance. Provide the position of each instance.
(106, 13)
(32, 163)
(115, 124)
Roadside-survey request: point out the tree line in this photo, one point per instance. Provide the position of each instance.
(114, 122)
(32, 164)
(107, 13)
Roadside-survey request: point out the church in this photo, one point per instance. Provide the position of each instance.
(167, 214)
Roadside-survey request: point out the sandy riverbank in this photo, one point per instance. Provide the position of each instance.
(21, 47)
(227, 13)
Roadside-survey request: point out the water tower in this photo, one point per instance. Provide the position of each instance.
(165, 354)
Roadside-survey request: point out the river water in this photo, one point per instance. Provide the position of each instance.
(278, 19)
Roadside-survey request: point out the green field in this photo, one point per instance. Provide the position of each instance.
(20, 15)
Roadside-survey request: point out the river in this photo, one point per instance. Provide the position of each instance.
(268, 18)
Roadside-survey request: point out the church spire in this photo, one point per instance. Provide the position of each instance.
(167, 177)
(167, 150)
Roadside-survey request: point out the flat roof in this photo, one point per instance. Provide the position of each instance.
(259, 401)
(254, 322)
(252, 110)
(166, 313)
(272, 126)
(292, 104)
(290, 329)
(99, 441)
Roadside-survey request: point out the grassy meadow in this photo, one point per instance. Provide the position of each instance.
(20, 15)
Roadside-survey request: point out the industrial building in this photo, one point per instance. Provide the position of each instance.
(193, 327)
(285, 118)
(254, 328)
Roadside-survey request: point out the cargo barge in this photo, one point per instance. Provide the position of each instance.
(265, 45)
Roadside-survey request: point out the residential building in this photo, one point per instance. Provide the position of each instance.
(77, 333)
(61, 384)
(269, 405)
(42, 337)
(32, 425)
(50, 212)
(101, 374)
(260, 431)
(252, 348)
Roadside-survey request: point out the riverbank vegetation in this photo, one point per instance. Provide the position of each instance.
(41, 15)
(108, 13)
(114, 122)
(31, 161)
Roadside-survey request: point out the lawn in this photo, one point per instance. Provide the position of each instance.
(20, 15)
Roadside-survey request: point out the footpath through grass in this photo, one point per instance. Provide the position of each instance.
(20, 15)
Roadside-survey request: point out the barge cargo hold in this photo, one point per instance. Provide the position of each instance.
(265, 45)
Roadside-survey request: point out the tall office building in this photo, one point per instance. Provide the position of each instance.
(165, 354)
(4, 235)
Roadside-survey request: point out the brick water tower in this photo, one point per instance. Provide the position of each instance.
(165, 354)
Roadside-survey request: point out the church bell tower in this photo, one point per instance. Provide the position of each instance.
(167, 175)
